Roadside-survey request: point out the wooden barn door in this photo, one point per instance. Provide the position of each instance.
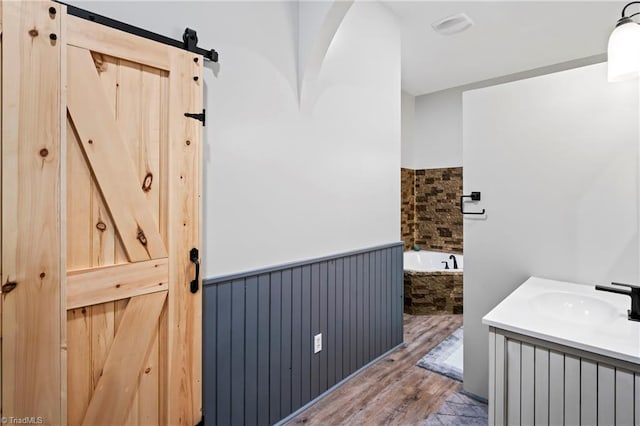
(133, 202)
(129, 213)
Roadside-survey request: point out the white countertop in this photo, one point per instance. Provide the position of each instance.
(607, 333)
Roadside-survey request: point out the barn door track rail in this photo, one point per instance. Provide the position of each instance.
(189, 38)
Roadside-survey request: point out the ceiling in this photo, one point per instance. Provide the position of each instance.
(507, 37)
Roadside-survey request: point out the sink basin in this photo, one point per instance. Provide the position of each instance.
(570, 314)
(574, 308)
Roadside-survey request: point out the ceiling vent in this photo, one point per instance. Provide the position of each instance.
(452, 24)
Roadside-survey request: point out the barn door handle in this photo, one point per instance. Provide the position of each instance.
(194, 257)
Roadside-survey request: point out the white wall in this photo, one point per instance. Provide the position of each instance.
(438, 130)
(285, 181)
(408, 110)
(556, 160)
(437, 120)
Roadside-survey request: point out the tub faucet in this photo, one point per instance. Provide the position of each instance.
(455, 262)
(634, 292)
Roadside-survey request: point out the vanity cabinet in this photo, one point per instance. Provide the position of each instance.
(537, 382)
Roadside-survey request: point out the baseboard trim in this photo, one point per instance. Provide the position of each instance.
(474, 396)
(337, 385)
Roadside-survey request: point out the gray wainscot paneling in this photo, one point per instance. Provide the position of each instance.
(259, 364)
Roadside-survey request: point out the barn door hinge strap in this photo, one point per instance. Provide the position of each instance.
(194, 257)
(198, 116)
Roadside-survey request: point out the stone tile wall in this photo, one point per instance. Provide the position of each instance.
(433, 293)
(407, 216)
(437, 219)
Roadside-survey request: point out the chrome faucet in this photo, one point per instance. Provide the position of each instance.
(455, 262)
(634, 292)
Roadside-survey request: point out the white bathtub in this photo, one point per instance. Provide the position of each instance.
(429, 261)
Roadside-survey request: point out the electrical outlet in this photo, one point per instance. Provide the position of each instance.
(317, 343)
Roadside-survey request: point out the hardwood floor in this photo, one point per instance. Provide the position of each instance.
(394, 391)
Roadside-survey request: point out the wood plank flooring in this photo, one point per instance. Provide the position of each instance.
(393, 391)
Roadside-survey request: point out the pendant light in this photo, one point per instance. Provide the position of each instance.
(624, 47)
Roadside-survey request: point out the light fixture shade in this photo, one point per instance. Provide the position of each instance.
(624, 52)
(452, 24)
